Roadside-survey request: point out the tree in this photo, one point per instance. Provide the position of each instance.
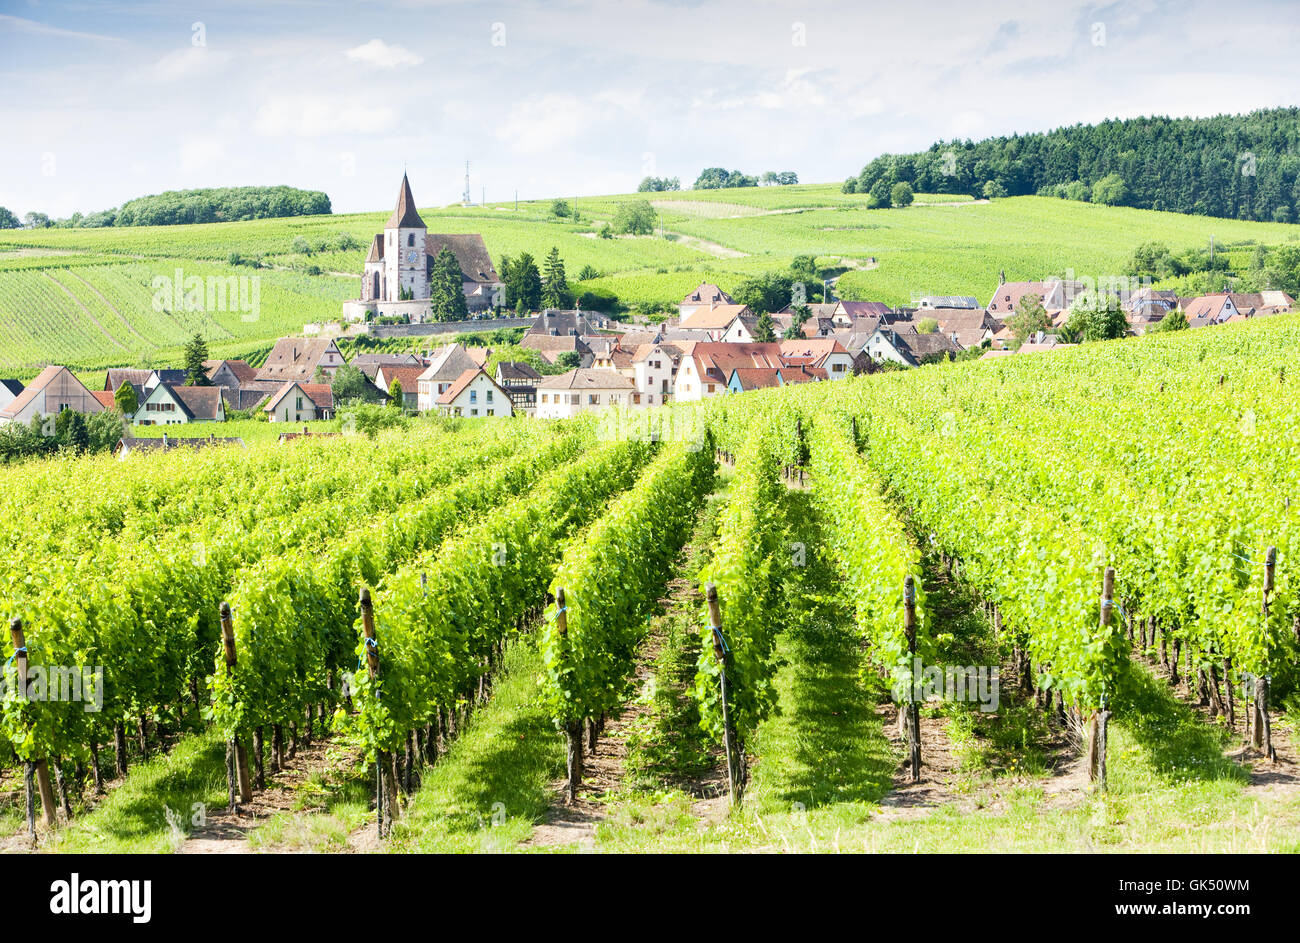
(555, 293)
(196, 351)
(1029, 318)
(70, 429)
(395, 396)
(765, 330)
(126, 400)
(1097, 316)
(880, 194)
(658, 184)
(587, 273)
(850, 185)
(799, 315)
(1175, 320)
(901, 193)
(561, 209)
(764, 293)
(1109, 190)
(927, 326)
(524, 288)
(37, 221)
(569, 360)
(446, 297)
(994, 190)
(8, 220)
(718, 178)
(636, 218)
(350, 385)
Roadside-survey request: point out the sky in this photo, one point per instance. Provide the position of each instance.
(104, 101)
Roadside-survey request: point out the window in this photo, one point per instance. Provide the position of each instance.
(473, 396)
(837, 368)
(473, 412)
(544, 398)
(489, 396)
(410, 239)
(299, 406)
(636, 398)
(593, 399)
(710, 387)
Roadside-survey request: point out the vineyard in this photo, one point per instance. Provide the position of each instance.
(85, 297)
(533, 636)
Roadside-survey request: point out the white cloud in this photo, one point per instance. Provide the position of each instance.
(320, 116)
(551, 122)
(188, 62)
(379, 55)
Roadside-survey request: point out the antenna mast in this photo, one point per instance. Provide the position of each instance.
(466, 198)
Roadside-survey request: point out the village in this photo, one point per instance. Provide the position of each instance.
(713, 346)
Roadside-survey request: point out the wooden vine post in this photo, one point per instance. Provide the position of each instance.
(237, 775)
(385, 778)
(38, 770)
(1098, 728)
(1261, 729)
(912, 724)
(734, 779)
(572, 728)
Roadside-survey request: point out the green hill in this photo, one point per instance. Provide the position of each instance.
(85, 297)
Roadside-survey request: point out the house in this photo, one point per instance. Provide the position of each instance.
(550, 347)
(654, 371)
(167, 405)
(301, 402)
(893, 344)
(229, 374)
(1041, 342)
(250, 395)
(933, 302)
(729, 323)
(1054, 293)
(301, 359)
(584, 390)
(1262, 302)
(446, 365)
(369, 364)
(396, 273)
(1210, 309)
(407, 377)
(825, 353)
(968, 327)
(519, 380)
(705, 368)
(474, 393)
(554, 322)
(744, 379)
(9, 391)
(53, 391)
(848, 313)
(128, 445)
(703, 297)
(142, 380)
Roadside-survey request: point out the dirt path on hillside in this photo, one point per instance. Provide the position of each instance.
(703, 245)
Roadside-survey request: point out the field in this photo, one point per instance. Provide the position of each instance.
(86, 297)
(504, 624)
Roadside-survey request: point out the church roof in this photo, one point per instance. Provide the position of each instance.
(405, 215)
(470, 252)
(376, 249)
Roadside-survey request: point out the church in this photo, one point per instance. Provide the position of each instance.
(395, 280)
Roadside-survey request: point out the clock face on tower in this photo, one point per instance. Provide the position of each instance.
(410, 257)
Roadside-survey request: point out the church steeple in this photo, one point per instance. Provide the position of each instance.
(405, 215)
